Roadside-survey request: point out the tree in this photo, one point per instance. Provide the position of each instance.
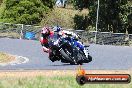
(80, 4)
(81, 20)
(114, 15)
(49, 3)
(24, 11)
(1, 1)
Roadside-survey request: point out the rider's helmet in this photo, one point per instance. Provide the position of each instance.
(57, 28)
(45, 30)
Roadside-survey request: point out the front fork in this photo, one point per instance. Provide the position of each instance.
(83, 48)
(86, 51)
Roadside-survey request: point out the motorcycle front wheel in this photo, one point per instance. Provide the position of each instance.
(67, 53)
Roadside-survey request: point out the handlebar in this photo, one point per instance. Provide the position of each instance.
(68, 34)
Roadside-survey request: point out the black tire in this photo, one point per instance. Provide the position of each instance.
(64, 61)
(52, 59)
(80, 63)
(90, 58)
(81, 57)
(66, 52)
(53, 55)
(67, 57)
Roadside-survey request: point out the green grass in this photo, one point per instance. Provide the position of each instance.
(52, 82)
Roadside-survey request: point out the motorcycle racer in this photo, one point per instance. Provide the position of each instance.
(57, 31)
(45, 32)
(63, 34)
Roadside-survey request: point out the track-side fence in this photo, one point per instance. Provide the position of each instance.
(19, 31)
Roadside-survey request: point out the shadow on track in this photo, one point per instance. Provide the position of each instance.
(64, 65)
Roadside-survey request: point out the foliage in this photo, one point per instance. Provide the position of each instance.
(0, 1)
(80, 4)
(24, 11)
(70, 1)
(60, 16)
(114, 15)
(80, 22)
(49, 3)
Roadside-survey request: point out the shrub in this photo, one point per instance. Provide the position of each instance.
(24, 11)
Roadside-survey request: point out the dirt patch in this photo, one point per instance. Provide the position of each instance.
(5, 58)
(8, 59)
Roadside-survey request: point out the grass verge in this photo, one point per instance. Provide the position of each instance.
(50, 79)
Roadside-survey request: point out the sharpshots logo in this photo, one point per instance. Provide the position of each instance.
(103, 78)
(83, 78)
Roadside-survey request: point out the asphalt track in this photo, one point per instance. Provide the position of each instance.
(105, 57)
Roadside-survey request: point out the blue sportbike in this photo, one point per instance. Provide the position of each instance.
(69, 50)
